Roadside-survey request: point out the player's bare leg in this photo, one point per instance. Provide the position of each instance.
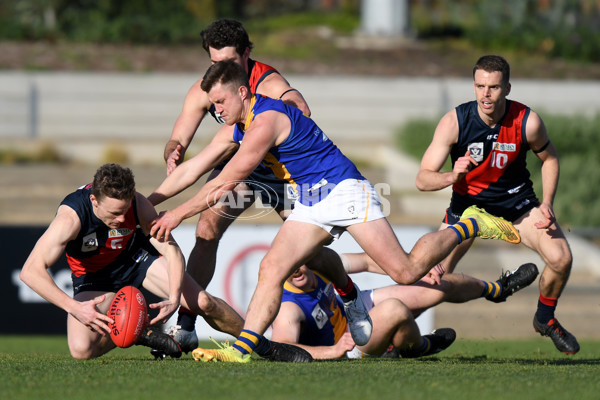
(378, 240)
(84, 343)
(552, 246)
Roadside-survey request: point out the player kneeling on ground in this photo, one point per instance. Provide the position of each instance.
(102, 227)
(312, 317)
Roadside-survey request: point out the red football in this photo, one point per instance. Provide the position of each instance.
(128, 310)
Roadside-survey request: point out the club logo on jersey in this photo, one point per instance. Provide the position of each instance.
(89, 242)
(476, 150)
(320, 316)
(119, 232)
(508, 147)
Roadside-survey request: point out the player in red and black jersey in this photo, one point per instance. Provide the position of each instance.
(487, 140)
(103, 228)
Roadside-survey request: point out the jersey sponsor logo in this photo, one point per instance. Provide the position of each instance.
(119, 232)
(516, 189)
(476, 150)
(522, 204)
(89, 243)
(508, 147)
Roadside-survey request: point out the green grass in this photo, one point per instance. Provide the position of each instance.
(41, 368)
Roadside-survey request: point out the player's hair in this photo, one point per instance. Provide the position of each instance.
(226, 33)
(114, 181)
(493, 63)
(225, 72)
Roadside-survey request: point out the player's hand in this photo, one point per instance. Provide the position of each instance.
(463, 165)
(161, 226)
(174, 159)
(434, 276)
(166, 309)
(344, 345)
(549, 217)
(88, 314)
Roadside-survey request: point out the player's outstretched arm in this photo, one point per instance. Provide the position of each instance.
(188, 173)
(171, 252)
(195, 107)
(47, 251)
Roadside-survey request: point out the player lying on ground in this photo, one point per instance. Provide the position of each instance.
(311, 317)
(102, 229)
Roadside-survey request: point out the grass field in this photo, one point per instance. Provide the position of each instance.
(41, 368)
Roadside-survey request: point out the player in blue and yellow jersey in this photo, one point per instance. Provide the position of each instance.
(311, 316)
(333, 197)
(487, 141)
(227, 39)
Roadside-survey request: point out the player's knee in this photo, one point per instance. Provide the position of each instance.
(403, 276)
(561, 261)
(206, 304)
(209, 230)
(271, 272)
(395, 310)
(80, 350)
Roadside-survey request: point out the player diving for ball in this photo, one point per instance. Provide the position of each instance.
(102, 227)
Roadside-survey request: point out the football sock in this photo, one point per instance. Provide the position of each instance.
(263, 346)
(347, 293)
(465, 229)
(186, 319)
(545, 310)
(424, 348)
(491, 290)
(247, 341)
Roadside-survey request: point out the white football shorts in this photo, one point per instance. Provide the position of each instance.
(351, 202)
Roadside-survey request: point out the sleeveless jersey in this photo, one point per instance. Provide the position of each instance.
(257, 72)
(306, 159)
(98, 246)
(323, 311)
(500, 151)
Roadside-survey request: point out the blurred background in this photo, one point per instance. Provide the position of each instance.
(84, 82)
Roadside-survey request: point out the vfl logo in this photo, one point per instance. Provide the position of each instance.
(232, 203)
(476, 150)
(320, 316)
(89, 242)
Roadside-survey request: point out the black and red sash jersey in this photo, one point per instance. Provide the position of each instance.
(257, 72)
(96, 245)
(500, 151)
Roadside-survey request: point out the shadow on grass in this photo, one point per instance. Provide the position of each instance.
(525, 361)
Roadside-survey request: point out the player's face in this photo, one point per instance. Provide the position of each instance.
(229, 54)
(490, 93)
(110, 211)
(228, 102)
(300, 278)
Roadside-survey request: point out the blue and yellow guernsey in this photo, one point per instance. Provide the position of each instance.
(306, 159)
(324, 312)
